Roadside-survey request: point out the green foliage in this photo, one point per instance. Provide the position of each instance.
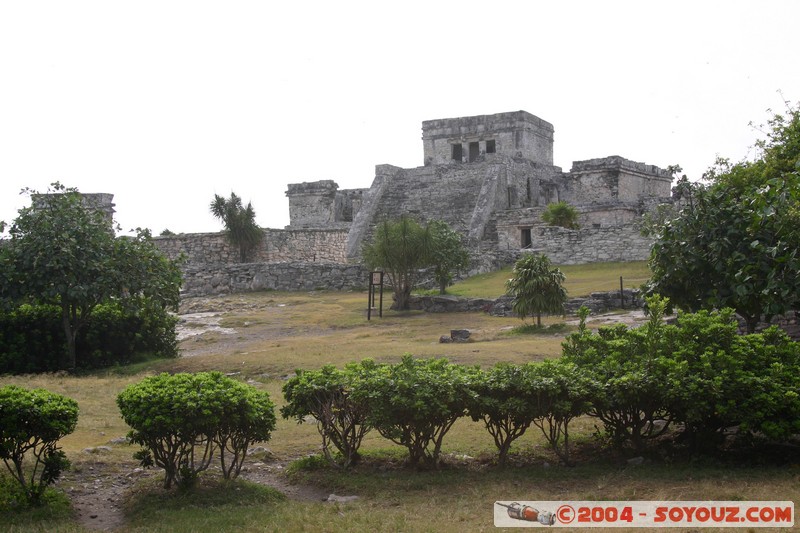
(50, 512)
(561, 214)
(240, 223)
(64, 253)
(506, 403)
(564, 391)
(447, 253)
(326, 394)
(33, 338)
(414, 403)
(183, 419)
(537, 287)
(698, 373)
(736, 243)
(635, 372)
(31, 424)
(401, 249)
(733, 252)
(549, 394)
(404, 249)
(727, 379)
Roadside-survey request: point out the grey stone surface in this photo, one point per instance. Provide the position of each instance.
(460, 335)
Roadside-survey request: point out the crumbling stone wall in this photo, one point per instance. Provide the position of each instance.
(574, 247)
(201, 280)
(313, 245)
(320, 204)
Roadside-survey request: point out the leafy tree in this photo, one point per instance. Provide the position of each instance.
(34, 421)
(447, 253)
(506, 403)
(561, 214)
(509, 398)
(733, 251)
(738, 244)
(404, 249)
(401, 249)
(415, 403)
(536, 287)
(240, 223)
(326, 394)
(181, 420)
(64, 253)
(564, 392)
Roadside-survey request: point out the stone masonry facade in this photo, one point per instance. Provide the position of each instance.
(490, 177)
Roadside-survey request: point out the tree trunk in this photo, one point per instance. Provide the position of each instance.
(402, 296)
(70, 335)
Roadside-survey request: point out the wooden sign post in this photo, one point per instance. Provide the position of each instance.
(375, 281)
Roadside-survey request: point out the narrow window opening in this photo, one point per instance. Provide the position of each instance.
(525, 238)
(474, 151)
(457, 153)
(490, 147)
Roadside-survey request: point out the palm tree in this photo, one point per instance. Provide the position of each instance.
(561, 214)
(240, 224)
(536, 288)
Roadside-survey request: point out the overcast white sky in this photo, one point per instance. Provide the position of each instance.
(165, 103)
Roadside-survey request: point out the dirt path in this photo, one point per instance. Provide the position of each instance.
(98, 490)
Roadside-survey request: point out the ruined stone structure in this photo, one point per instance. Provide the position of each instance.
(100, 201)
(490, 177)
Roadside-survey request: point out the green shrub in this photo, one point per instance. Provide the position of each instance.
(34, 421)
(564, 392)
(32, 337)
(751, 381)
(326, 394)
(181, 420)
(506, 403)
(698, 373)
(414, 403)
(549, 394)
(635, 376)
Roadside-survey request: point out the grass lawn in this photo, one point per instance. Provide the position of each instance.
(278, 332)
(580, 279)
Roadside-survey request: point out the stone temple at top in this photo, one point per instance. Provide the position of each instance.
(491, 177)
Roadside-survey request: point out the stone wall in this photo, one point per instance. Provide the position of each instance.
(289, 276)
(588, 245)
(312, 245)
